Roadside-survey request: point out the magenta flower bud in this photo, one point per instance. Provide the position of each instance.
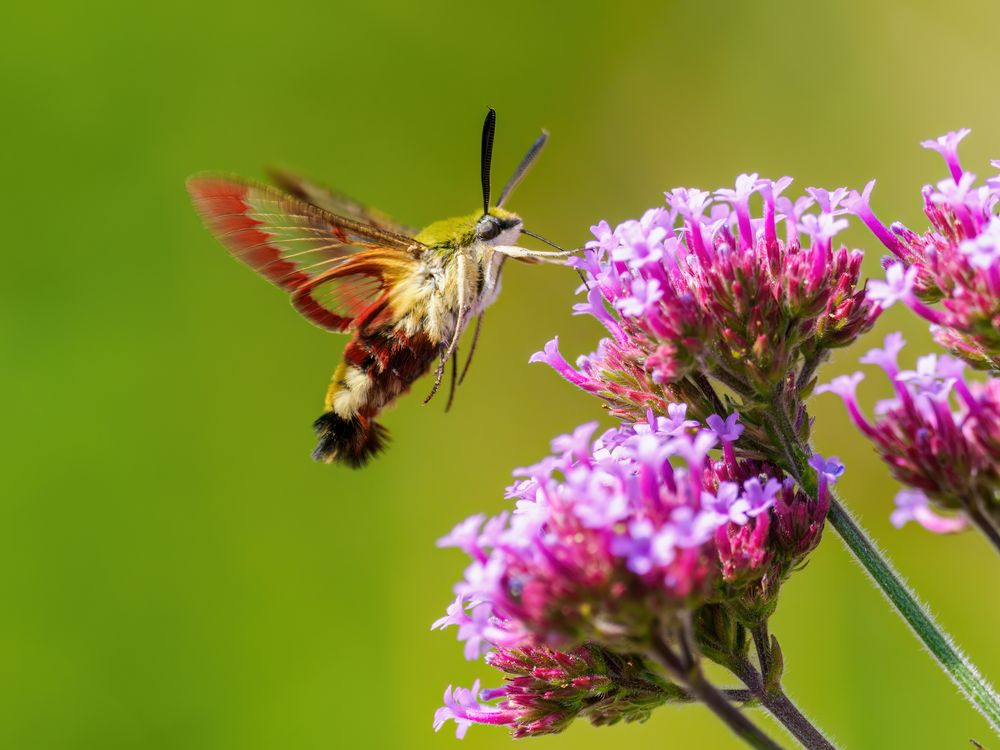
(744, 550)
(772, 527)
(545, 690)
(799, 520)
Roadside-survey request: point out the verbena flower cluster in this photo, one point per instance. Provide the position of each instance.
(955, 262)
(940, 436)
(703, 289)
(629, 558)
(610, 539)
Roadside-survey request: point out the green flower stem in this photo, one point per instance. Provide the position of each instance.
(962, 672)
(986, 526)
(780, 706)
(741, 696)
(688, 672)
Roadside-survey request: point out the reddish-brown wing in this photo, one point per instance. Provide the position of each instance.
(331, 265)
(334, 201)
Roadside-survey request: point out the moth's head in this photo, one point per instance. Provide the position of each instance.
(498, 227)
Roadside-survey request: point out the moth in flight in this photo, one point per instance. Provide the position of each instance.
(404, 298)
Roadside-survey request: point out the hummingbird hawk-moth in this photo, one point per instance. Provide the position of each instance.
(404, 298)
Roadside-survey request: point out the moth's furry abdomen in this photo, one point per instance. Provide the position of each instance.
(379, 365)
(352, 442)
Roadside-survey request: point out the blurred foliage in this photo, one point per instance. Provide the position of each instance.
(176, 572)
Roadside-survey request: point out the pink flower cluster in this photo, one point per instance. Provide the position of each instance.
(940, 435)
(702, 287)
(956, 261)
(611, 536)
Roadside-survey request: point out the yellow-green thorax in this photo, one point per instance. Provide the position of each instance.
(460, 231)
(456, 276)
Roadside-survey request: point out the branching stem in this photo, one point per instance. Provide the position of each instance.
(774, 699)
(689, 674)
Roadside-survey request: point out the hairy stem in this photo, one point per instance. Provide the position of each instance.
(951, 659)
(781, 707)
(733, 695)
(762, 642)
(690, 675)
(809, 369)
(962, 671)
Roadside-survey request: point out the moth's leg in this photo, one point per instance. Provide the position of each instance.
(454, 381)
(472, 349)
(437, 375)
(464, 307)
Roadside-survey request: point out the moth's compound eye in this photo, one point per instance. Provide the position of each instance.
(487, 228)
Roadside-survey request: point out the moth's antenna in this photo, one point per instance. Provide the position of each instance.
(486, 157)
(523, 167)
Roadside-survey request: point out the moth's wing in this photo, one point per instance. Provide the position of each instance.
(362, 284)
(333, 201)
(331, 265)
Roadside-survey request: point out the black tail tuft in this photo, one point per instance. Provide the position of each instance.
(352, 442)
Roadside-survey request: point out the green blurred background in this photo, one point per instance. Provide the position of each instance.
(176, 572)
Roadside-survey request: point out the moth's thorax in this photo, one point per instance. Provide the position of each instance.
(457, 266)
(460, 231)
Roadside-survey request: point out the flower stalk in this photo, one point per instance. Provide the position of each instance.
(726, 642)
(956, 664)
(773, 697)
(986, 526)
(683, 666)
